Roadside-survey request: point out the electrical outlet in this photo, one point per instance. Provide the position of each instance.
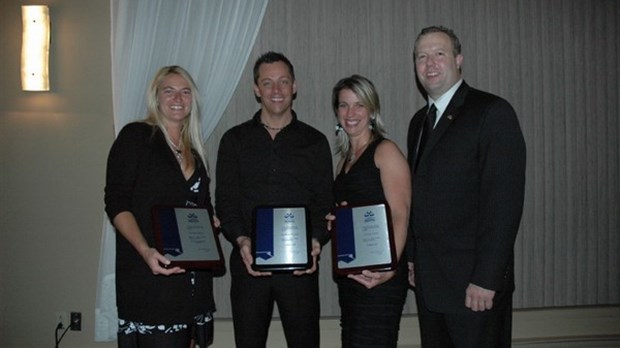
(76, 321)
(63, 319)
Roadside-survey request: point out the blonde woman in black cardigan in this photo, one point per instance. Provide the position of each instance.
(159, 161)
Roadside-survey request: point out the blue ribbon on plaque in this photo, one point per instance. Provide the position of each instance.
(264, 241)
(345, 237)
(170, 232)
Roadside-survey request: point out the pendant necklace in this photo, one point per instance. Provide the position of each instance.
(178, 153)
(355, 155)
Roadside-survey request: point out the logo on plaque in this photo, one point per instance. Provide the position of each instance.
(193, 218)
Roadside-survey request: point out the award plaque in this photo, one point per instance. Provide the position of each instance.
(362, 238)
(186, 237)
(281, 239)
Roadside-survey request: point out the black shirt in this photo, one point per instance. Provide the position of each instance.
(253, 169)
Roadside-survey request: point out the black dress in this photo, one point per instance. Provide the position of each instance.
(369, 317)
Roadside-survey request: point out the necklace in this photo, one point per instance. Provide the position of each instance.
(272, 128)
(178, 153)
(357, 153)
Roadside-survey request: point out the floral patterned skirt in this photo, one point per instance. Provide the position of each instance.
(137, 335)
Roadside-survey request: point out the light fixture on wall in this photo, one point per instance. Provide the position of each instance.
(35, 48)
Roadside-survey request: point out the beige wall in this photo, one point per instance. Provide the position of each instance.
(53, 145)
(53, 148)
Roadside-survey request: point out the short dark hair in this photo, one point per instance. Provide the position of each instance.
(272, 57)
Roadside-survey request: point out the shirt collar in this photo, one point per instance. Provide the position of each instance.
(442, 102)
(257, 121)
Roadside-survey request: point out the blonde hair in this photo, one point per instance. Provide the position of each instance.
(191, 130)
(368, 96)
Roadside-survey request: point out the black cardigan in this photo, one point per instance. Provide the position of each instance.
(142, 172)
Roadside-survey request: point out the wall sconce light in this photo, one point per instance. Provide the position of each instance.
(35, 48)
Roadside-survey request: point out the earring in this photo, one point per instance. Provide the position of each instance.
(338, 128)
(373, 124)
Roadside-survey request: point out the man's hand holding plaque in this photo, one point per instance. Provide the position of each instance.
(281, 239)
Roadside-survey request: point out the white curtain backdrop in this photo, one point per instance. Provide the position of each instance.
(212, 40)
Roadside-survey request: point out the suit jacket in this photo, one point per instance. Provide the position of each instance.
(468, 192)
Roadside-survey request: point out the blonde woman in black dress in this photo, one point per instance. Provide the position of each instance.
(371, 169)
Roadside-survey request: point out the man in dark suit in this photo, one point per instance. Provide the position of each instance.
(467, 156)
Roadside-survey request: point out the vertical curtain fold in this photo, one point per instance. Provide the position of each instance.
(212, 40)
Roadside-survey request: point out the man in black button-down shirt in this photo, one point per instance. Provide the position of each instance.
(273, 159)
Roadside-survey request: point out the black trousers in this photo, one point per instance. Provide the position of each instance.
(467, 329)
(253, 298)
